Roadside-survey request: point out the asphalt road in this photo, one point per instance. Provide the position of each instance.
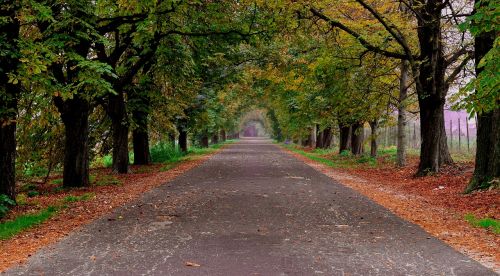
(251, 210)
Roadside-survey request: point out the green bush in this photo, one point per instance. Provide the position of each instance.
(164, 152)
(345, 153)
(5, 204)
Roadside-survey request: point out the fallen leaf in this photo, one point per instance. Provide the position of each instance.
(191, 264)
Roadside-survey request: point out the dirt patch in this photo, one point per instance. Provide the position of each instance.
(436, 203)
(105, 198)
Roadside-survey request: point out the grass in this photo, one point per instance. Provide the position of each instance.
(487, 223)
(107, 180)
(72, 198)
(11, 228)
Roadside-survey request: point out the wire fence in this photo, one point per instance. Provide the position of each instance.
(460, 134)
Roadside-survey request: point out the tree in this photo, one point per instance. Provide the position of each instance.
(9, 94)
(487, 49)
(428, 68)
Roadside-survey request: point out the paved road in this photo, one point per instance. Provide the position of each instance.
(251, 210)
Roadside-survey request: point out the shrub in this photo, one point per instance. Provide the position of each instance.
(345, 153)
(164, 152)
(5, 204)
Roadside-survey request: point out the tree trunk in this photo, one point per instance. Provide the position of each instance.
(374, 134)
(312, 137)
(120, 128)
(183, 139)
(402, 122)
(430, 87)
(9, 94)
(327, 137)
(215, 138)
(140, 140)
(487, 167)
(357, 138)
(319, 140)
(204, 141)
(444, 152)
(223, 135)
(75, 116)
(171, 138)
(345, 138)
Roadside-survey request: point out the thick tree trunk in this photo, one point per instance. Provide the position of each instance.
(215, 138)
(345, 138)
(204, 141)
(430, 87)
(402, 122)
(431, 113)
(7, 159)
(140, 140)
(223, 135)
(312, 137)
(357, 139)
(9, 94)
(319, 140)
(444, 152)
(183, 139)
(120, 127)
(327, 137)
(487, 167)
(75, 116)
(373, 142)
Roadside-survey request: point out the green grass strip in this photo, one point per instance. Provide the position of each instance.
(9, 229)
(487, 223)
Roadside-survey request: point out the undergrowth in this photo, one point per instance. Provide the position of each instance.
(23, 222)
(487, 223)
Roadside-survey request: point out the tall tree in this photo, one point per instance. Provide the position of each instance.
(9, 94)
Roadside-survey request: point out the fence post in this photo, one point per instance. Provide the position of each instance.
(451, 135)
(467, 127)
(459, 135)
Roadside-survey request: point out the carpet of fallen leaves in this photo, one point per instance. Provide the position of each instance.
(141, 179)
(436, 203)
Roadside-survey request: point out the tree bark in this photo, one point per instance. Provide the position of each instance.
(223, 135)
(487, 167)
(357, 139)
(120, 127)
(402, 122)
(327, 137)
(320, 140)
(215, 138)
(312, 137)
(9, 95)
(75, 116)
(373, 142)
(204, 141)
(182, 139)
(140, 139)
(430, 87)
(345, 138)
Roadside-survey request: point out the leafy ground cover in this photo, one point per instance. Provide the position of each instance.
(437, 203)
(53, 212)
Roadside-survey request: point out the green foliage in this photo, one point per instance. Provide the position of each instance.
(32, 193)
(5, 204)
(71, 198)
(487, 223)
(11, 228)
(345, 153)
(165, 152)
(107, 180)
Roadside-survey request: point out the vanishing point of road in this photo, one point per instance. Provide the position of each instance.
(251, 209)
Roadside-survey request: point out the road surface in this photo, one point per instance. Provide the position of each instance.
(251, 209)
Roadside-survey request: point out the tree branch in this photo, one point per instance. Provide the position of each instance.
(357, 36)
